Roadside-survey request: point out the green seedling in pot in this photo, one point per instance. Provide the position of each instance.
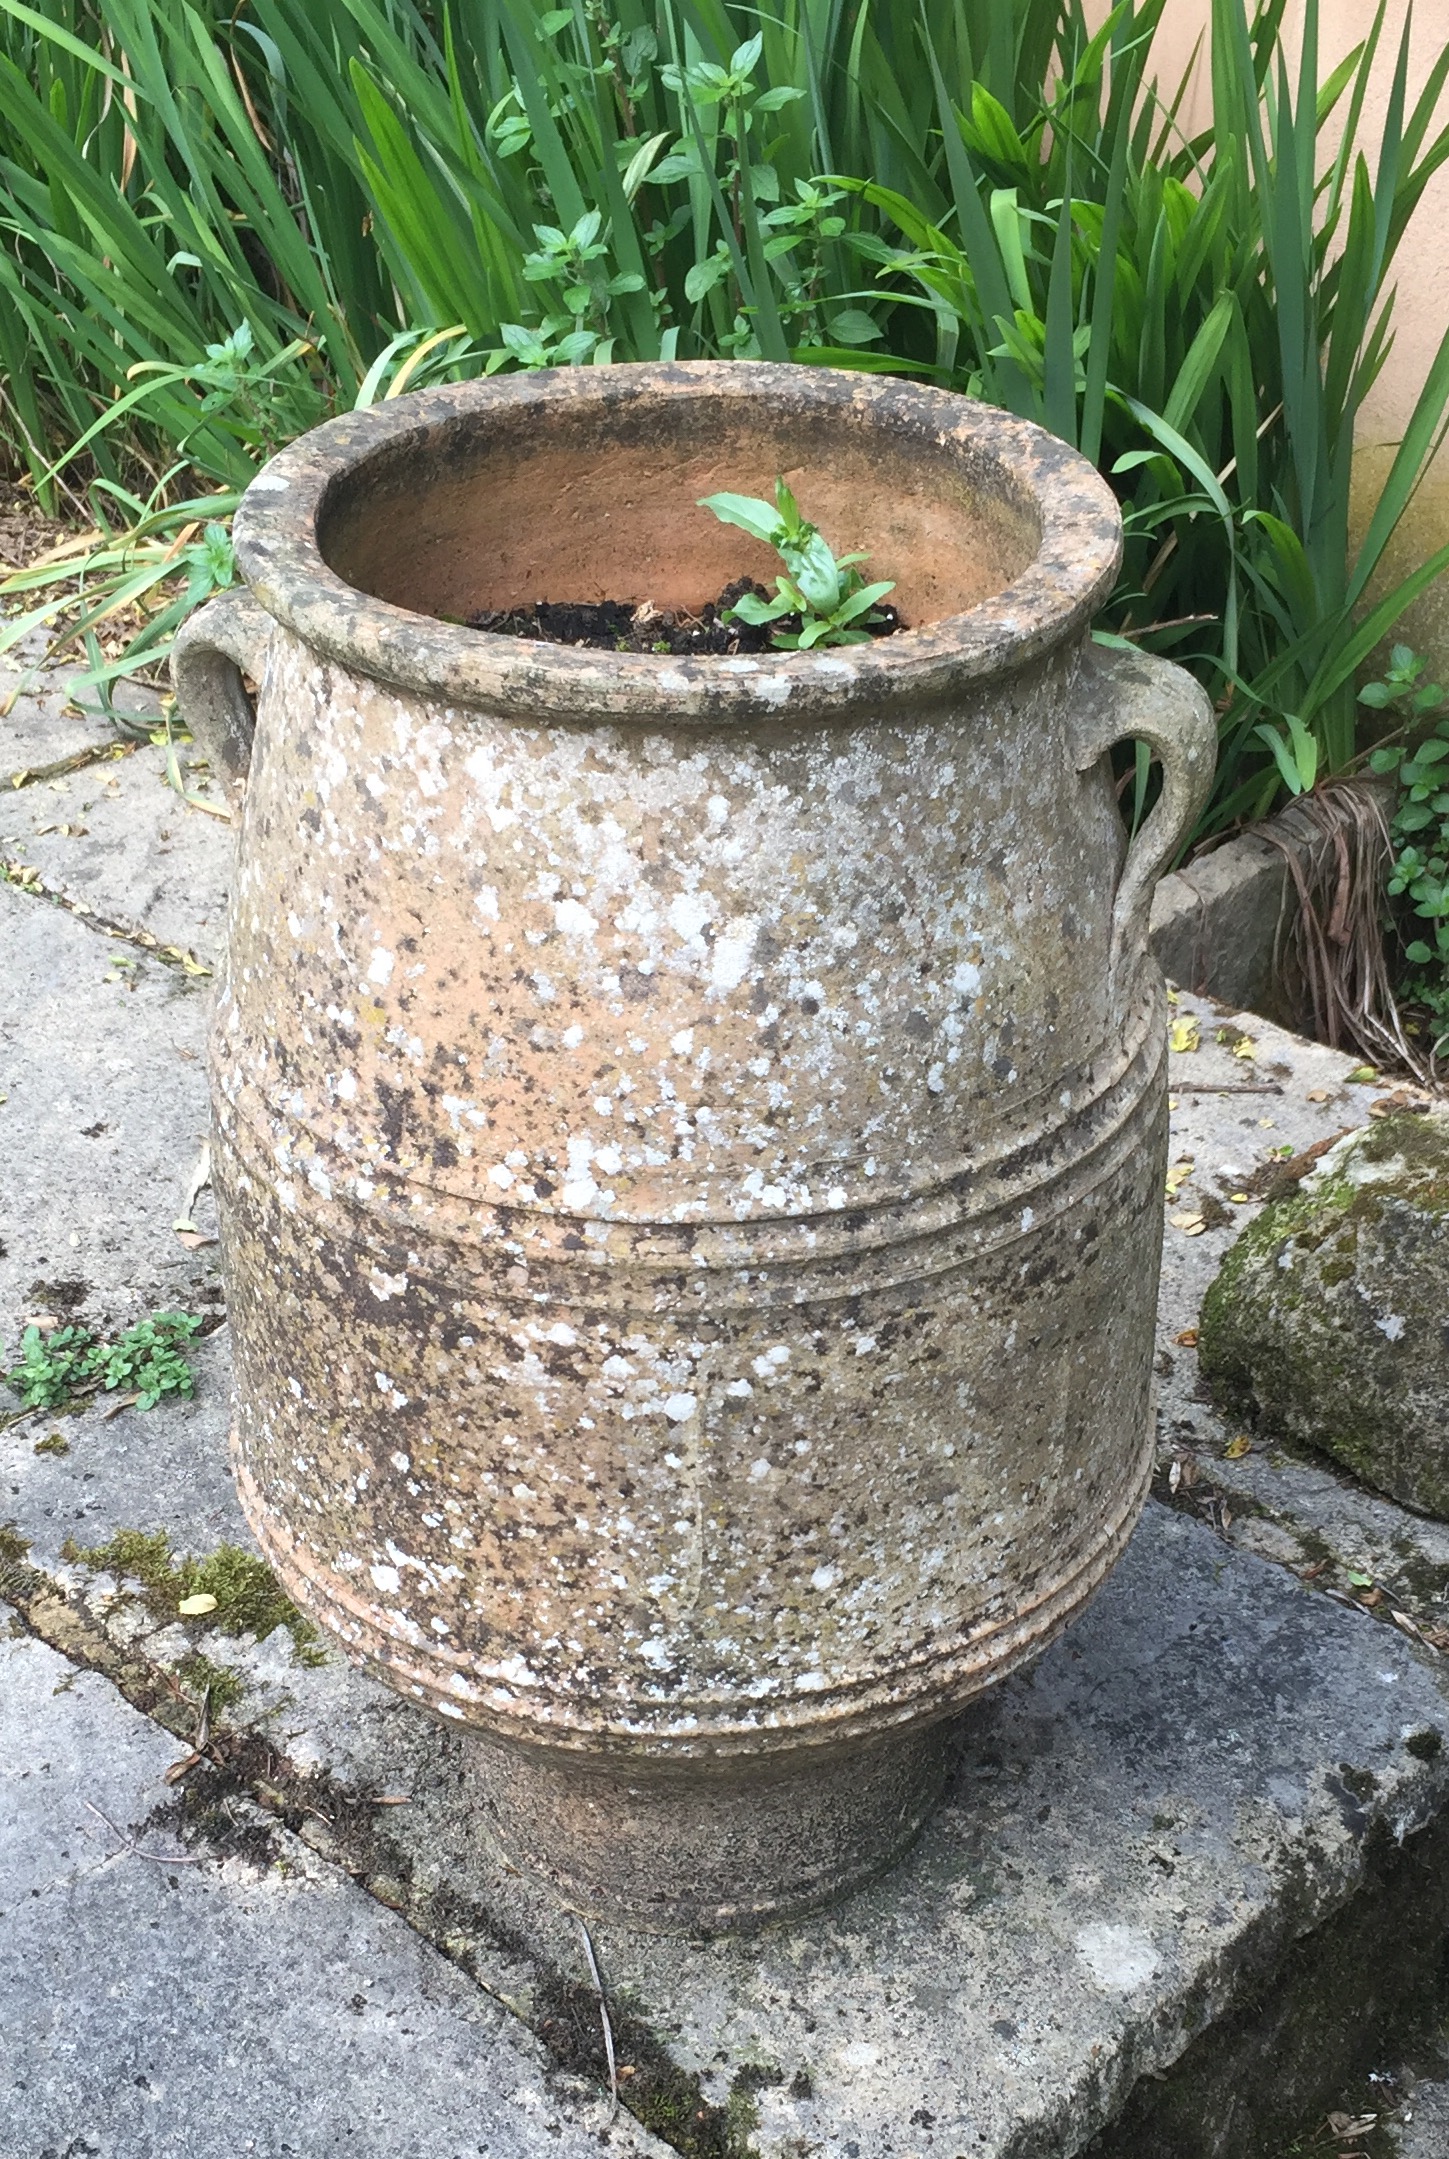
(834, 606)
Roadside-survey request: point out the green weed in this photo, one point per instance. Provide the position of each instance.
(55, 1369)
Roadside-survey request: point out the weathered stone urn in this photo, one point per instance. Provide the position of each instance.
(689, 1134)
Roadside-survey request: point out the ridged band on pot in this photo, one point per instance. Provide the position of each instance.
(690, 1133)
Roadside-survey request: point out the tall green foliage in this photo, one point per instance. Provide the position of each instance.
(1205, 317)
(219, 224)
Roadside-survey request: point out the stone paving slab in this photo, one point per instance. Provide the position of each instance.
(1423, 2129)
(216, 2006)
(1292, 1507)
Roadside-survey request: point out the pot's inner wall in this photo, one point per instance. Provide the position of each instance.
(598, 501)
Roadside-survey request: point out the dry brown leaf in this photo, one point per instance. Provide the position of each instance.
(1187, 1339)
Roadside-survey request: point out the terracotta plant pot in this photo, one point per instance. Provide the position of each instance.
(689, 1134)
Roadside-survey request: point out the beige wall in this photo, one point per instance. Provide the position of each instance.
(1421, 312)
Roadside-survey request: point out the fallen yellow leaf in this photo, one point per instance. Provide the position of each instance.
(1237, 1448)
(1246, 1048)
(1239, 1199)
(1191, 1225)
(1362, 1076)
(1178, 1175)
(193, 1607)
(1184, 1034)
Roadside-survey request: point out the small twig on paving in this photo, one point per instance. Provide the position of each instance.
(603, 2017)
(94, 753)
(1230, 1087)
(131, 1847)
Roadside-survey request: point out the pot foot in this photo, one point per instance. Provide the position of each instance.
(710, 1848)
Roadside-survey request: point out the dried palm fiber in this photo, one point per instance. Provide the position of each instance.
(1335, 938)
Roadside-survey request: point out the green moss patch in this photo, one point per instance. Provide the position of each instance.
(248, 1598)
(1324, 1326)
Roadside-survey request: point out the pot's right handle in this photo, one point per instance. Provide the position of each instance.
(1138, 696)
(213, 649)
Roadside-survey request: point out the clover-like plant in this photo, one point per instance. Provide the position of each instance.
(833, 604)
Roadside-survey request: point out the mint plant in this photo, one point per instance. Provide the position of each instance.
(1419, 828)
(833, 604)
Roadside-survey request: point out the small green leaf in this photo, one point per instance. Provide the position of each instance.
(760, 519)
(853, 326)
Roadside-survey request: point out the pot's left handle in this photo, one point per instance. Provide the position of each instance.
(1138, 696)
(213, 649)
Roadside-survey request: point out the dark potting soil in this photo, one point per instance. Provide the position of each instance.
(630, 626)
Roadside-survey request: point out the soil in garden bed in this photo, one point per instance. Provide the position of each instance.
(639, 626)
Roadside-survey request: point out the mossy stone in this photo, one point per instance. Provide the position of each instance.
(1328, 1323)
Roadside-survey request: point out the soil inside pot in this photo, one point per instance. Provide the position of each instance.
(640, 626)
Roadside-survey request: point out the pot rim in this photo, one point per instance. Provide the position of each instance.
(276, 535)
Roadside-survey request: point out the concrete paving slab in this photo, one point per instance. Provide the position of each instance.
(104, 1111)
(42, 725)
(115, 836)
(68, 1739)
(212, 2005)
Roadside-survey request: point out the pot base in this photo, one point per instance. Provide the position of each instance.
(710, 1849)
